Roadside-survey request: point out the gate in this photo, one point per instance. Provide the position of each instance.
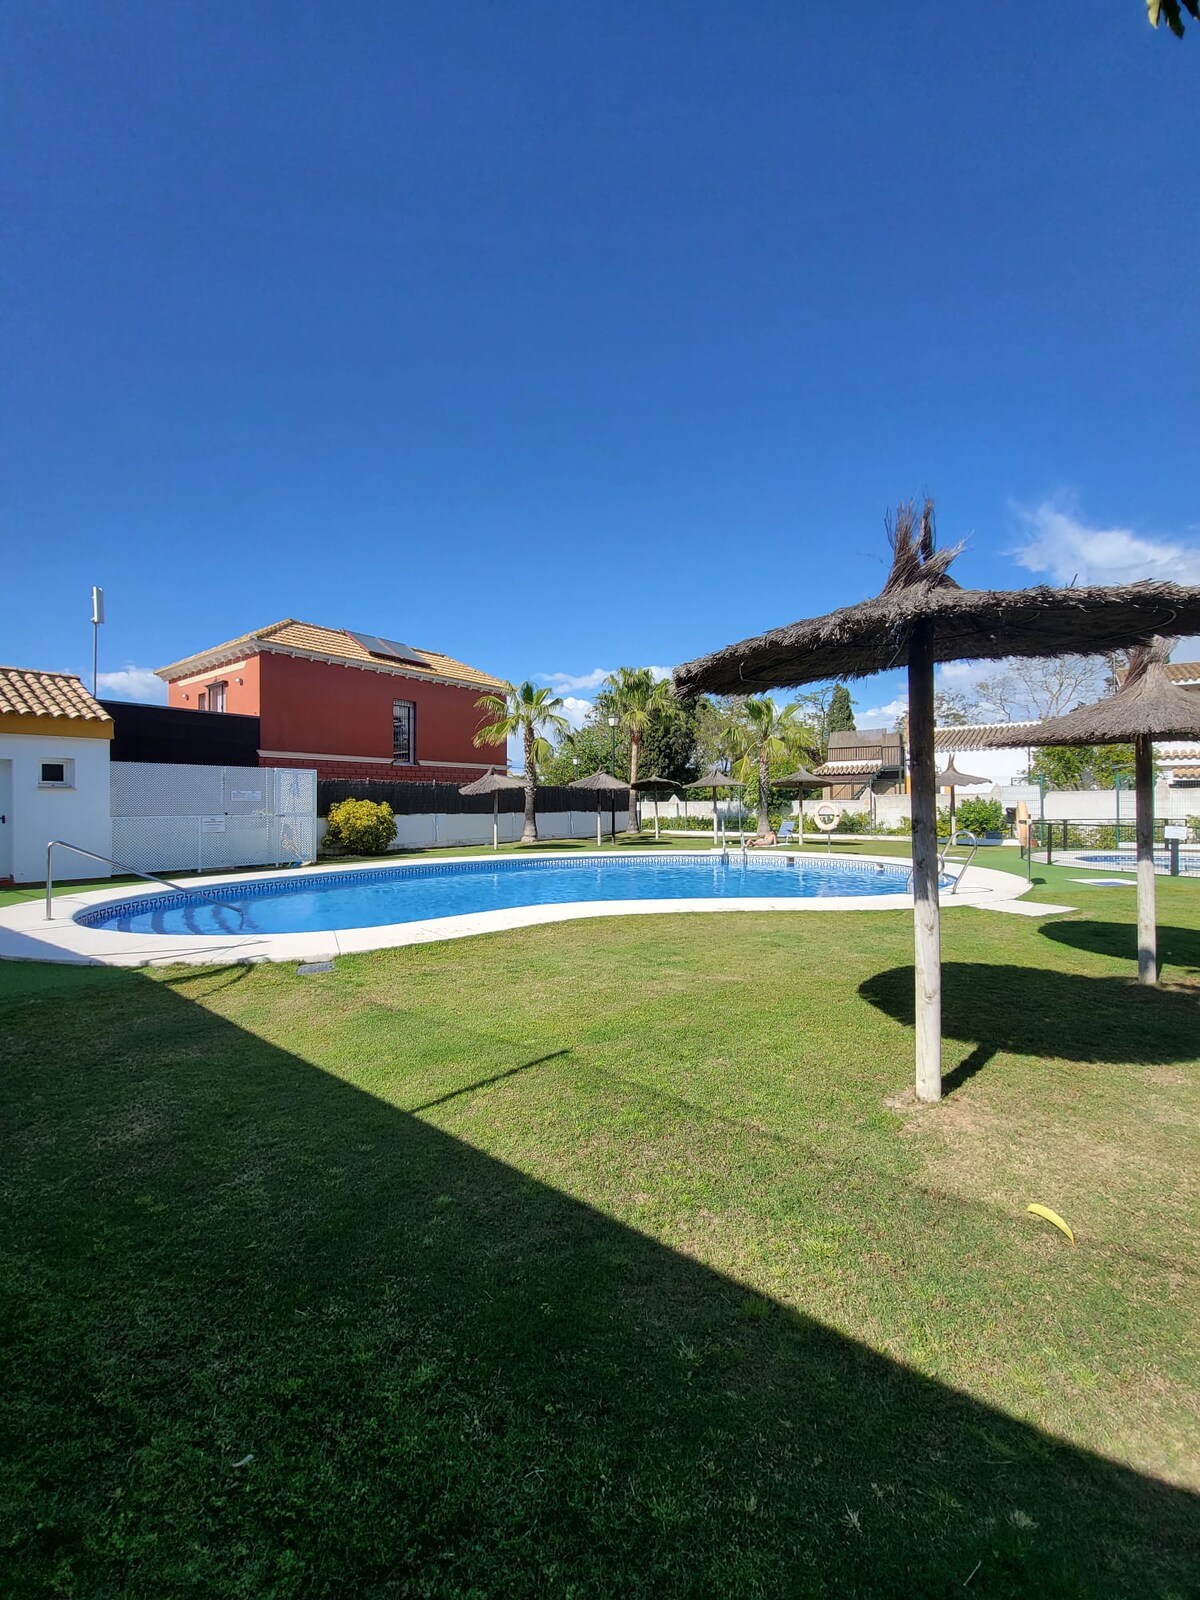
(176, 818)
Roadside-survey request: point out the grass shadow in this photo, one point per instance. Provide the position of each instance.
(1177, 947)
(1034, 1011)
(268, 1335)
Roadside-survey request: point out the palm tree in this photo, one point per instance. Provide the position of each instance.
(766, 734)
(522, 709)
(636, 696)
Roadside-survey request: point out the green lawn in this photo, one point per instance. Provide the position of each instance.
(609, 1258)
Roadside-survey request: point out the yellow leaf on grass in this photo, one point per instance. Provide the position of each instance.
(1052, 1216)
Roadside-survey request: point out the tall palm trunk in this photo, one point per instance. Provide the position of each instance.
(529, 833)
(635, 742)
(764, 790)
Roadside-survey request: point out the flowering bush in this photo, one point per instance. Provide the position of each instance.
(363, 827)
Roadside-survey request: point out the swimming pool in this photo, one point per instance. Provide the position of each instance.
(1189, 861)
(376, 897)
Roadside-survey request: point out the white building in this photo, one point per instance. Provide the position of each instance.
(54, 778)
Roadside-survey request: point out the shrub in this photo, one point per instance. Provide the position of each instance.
(687, 824)
(980, 816)
(363, 827)
(855, 822)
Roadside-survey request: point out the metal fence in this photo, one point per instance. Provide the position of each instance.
(171, 817)
(1112, 845)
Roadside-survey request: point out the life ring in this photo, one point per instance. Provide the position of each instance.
(826, 816)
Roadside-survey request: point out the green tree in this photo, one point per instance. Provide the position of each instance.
(669, 742)
(717, 736)
(636, 697)
(530, 713)
(841, 711)
(579, 752)
(1063, 766)
(766, 736)
(813, 707)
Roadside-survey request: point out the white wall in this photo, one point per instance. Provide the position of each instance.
(1100, 805)
(430, 828)
(36, 815)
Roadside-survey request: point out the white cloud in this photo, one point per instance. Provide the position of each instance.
(562, 681)
(575, 711)
(882, 716)
(1059, 543)
(133, 683)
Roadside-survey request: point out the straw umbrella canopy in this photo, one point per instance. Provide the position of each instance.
(1147, 706)
(656, 783)
(599, 783)
(714, 779)
(921, 617)
(951, 778)
(493, 783)
(801, 779)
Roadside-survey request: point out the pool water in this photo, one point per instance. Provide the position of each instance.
(1189, 860)
(379, 896)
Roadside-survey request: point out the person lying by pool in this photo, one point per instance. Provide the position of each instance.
(761, 839)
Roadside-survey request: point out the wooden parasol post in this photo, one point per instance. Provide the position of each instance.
(1143, 757)
(926, 915)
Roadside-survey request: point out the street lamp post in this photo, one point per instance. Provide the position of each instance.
(612, 729)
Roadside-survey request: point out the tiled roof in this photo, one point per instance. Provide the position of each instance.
(975, 735)
(335, 643)
(1186, 672)
(25, 693)
(847, 769)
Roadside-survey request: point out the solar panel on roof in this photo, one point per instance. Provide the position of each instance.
(388, 649)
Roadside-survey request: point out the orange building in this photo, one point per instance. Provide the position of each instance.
(352, 705)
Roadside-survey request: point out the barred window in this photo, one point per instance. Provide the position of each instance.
(404, 733)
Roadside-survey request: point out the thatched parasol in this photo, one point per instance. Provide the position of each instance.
(714, 779)
(656, 783)
(801, 779)
(1146, 707)
(493, 783)
(922, 617)
(951, 778)
(600, 783)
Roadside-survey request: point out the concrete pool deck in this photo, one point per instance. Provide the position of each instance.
(27, 935)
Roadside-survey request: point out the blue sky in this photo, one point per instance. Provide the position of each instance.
(563, 337)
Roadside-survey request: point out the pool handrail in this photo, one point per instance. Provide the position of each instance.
(956, 837)
(121, 866)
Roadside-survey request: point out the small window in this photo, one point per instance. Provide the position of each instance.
(56, 775)
(404, 731)
(216, 697)
(202, 701)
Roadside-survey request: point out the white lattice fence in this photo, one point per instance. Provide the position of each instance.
(168, 817)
